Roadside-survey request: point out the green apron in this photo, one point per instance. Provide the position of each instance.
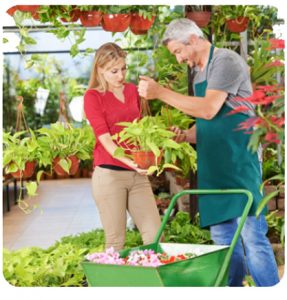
(224, 163)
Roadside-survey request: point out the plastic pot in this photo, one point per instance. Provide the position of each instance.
(116, 22)
(140, 25)
(239, 24)
(145, 159)
(75, 163)
(27, 172)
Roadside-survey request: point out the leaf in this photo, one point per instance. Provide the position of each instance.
(65, 164)
(264, 201)
(5, 40)
(39, 174)
(119, 152)
(31, 188)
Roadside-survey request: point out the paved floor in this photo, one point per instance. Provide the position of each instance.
(66, 207)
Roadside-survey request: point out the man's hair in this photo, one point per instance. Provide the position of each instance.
(181, 30)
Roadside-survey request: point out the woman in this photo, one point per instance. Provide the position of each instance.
(118, 184)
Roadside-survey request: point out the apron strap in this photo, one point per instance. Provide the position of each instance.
(209, 59)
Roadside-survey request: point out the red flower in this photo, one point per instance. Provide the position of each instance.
(249, 123)
(277, 121)
(237, 110)
(267, 100)
(272, 138)
(276, 44)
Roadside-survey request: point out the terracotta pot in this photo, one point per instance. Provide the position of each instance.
(201, 18)
(145, 159)
(116, 22)
(239, 24)
(182, 181)
(139, 25)
(74, 16)
(27, 172)
(28, 8)
(90, 18)
(12, 10)
(73, 169)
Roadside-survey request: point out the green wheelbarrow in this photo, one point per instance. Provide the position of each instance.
(209, 267)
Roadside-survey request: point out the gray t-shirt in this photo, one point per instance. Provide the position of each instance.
(228, 72)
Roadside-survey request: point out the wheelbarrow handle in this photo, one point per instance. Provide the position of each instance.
(246, 210)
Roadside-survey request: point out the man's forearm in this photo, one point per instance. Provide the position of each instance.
(190, 135)
(194, 106)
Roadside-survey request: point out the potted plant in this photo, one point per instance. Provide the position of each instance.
(70, 13)
(200, 14)
(145, 141)
(20, 154)
(67, 147)
(90, 15)
(116, 18)
(266, 61)
(142, 18)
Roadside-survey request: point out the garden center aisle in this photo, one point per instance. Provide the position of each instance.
(67, 208)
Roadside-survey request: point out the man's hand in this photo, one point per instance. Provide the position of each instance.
(148, 88)
(180, 134)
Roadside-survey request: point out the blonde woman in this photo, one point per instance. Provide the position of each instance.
(118, 184)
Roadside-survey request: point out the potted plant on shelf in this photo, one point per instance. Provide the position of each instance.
(142, 18)
(145, 141)
(90, 15)
(67, 147)
(116, 18)
(200, 14)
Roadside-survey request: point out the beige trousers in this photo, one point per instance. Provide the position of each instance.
(115, 193)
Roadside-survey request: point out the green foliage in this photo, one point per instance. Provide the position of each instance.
(65, 140)
(276, 224)
(181, 230)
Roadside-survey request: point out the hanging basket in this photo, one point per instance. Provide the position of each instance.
(12, 10)
(140, 25)
(27, 172)
(28, 8)
(90, 18)
(74, 16)
(145, 159)
(201, 18)
(116, 22)
(239, 24)
(75, 163)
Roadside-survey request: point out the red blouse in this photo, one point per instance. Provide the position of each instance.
(103, 111)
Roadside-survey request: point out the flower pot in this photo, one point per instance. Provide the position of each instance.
(74, 16)
(28, 8)
(75, 163)
(27, 172)
(140, 25)
(116, 22)
(182, 181)
(201, 18)
(12, 10)
(145, 159)
(239, 24)
(90, 18)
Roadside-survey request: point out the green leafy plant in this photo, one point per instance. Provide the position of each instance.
(181, 230)
(63, 141)
(146, 134)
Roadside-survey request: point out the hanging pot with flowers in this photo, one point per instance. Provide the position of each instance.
(70, 13)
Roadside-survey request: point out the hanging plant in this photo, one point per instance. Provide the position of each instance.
(90, 15)
(116, 18)
(199, 14)
(142, 18)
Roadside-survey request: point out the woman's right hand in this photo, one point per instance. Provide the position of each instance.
(134, 166)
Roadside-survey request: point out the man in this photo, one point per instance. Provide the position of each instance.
(223, 159)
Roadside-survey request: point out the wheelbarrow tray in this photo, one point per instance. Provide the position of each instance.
(201, 270)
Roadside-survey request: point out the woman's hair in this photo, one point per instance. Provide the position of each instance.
(181, 30)
(108, 53)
